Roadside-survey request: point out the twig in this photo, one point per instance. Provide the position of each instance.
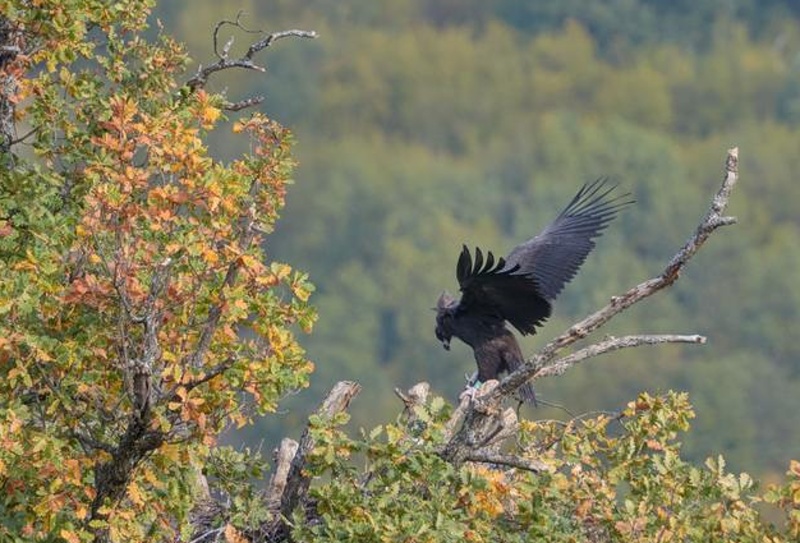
(245, 61)
(243, 104)
(211, 533)
(237, 23)
(508, 460)
(22, 138)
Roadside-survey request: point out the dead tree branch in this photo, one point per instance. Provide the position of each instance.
(283, 463)
(481, 415)
(246, 62)
(289, 486)
(297, 481)
(561, 365)
(713, 219)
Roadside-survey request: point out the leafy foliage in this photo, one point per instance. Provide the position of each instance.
(140, 316)
(606, 478)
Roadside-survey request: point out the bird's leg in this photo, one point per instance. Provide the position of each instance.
(469, 392)
(472, 386)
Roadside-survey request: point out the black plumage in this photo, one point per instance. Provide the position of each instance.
(521, 287)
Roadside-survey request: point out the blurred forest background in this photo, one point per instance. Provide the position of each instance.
(425, 124)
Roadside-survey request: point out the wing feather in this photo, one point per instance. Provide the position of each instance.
(521, 287)
(495, 289)
(553, 257)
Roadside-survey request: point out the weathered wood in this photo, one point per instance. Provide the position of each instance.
(283, 463)
(297, 481)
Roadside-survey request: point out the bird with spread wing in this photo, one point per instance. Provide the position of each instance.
(521, 287)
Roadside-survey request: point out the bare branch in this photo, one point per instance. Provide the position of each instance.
(25, 136)
(283, 463)
(481, 416)
(275, 36)
(414, 396)
(561, 365)
(297, 481)
(224, 62)
(243, 104)
(238, 24)
(713, 220)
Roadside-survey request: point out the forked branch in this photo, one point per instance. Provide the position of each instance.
(226, 62)
(479, 413)
(538, 365)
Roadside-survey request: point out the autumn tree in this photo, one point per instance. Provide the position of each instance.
(141, 313)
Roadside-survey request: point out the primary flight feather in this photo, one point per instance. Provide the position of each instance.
(521, 287)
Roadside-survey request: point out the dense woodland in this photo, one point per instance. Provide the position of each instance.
(185, 266)
(424, 125)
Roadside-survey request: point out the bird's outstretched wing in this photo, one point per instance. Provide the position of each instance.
(553, 257)
(521, 287)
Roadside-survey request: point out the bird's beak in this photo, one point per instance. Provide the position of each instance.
(446, 344)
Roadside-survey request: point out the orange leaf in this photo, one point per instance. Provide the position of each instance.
(232, 535)
(210, 256)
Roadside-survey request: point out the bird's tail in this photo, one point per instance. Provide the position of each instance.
(527, 394)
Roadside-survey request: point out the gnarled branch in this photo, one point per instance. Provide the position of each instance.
(480, 415)
(297, 481)
(246, 62)
(714, 219)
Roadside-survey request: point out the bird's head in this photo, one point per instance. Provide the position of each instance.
(445, 307)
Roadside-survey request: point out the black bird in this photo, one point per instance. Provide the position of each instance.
(521, 288)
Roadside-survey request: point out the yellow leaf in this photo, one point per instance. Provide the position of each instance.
(43, 356)
(149, 476)
(24, 265)
(70, 536)
(210, 115)
(249, 262)
(135, 494)
(170, 451)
